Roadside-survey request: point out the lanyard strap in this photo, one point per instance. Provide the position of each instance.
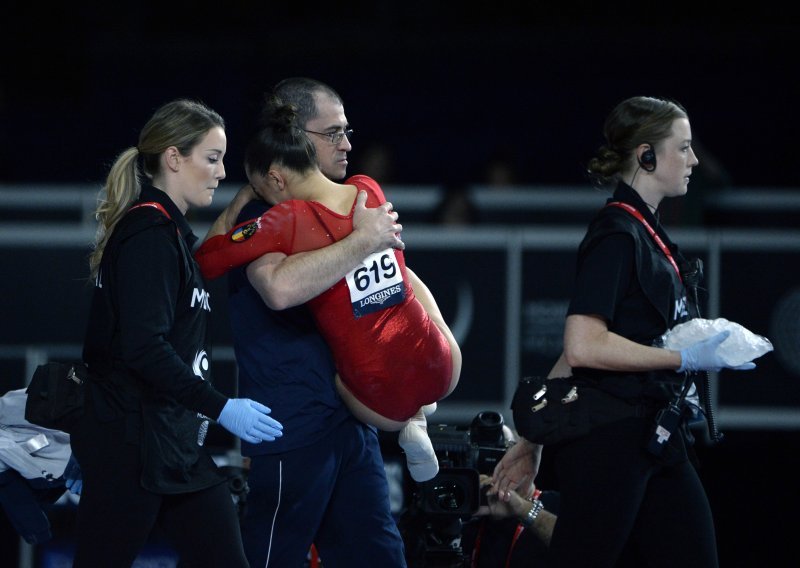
(153, 204)
(517, 532)
(635, 212)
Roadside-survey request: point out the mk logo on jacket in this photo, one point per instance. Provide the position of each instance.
(200, 298)
(680, 309)
(200, 365)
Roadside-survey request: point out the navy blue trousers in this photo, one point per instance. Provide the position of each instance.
(332, 493)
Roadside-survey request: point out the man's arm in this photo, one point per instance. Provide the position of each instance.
(284, 281)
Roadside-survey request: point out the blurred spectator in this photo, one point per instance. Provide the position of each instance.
(378, 163)
(500, 169)
(456, 207)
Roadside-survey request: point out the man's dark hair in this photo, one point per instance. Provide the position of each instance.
(299, 93)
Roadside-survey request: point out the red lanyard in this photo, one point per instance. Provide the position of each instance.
(635, 212)
(517, 532)
(153, 204)
(314, 557)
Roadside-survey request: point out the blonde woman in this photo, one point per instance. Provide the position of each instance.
(140, 444)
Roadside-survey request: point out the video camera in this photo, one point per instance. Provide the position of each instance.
(464, 453)
(433, 522)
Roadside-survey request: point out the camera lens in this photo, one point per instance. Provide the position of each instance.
(449, 496)
(488, 419)
(237, 483)
(487, 429)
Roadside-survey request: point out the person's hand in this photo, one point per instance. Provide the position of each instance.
(516, 469)
(704, 356)
(378, 224)
(248, 420)
(73, 477)
(245, 195)
(496, 508)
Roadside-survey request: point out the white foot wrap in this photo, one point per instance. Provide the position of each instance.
(429, 409)
(420, 457)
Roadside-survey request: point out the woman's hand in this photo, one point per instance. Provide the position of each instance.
(516, 506)
(517, 469)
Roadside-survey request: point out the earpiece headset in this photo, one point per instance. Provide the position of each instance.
(648, 159)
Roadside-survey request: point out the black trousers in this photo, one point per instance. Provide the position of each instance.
(620, 506)
(116, 516)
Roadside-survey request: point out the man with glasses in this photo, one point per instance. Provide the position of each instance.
(325, 483)
(334, 137)
(321, 112)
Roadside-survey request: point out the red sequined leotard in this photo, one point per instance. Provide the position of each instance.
(388, 352)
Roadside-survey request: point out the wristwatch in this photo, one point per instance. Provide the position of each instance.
(530, 517)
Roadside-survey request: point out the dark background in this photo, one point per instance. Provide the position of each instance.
(444, 89)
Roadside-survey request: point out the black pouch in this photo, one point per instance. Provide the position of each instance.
(56, 395)
(552, 411)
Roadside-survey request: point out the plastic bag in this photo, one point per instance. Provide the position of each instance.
(740, 347)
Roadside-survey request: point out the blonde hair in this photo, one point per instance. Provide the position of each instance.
(181, 123)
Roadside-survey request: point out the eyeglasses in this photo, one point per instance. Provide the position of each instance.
(334, 137)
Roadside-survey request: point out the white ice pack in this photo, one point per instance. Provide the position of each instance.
(740, 347)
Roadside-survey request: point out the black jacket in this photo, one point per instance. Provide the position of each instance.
(651, 299)
(146, 348)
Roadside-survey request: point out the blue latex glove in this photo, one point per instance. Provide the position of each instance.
(248, 419)
(73, 478)
(704, 356)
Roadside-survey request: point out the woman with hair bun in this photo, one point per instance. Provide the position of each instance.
(630, 494)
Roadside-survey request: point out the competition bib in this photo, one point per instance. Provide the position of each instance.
(376, 283)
